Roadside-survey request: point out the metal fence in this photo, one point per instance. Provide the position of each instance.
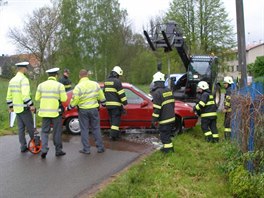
(247, 123)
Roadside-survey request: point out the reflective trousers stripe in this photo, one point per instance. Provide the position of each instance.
(170, 145)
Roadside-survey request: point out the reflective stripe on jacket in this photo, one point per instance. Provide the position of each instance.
(86, 94)
(50, 93)
(207, 105)
(227, 100)
(66, 82)
(114, 93)
(163, 105)
(18, 93)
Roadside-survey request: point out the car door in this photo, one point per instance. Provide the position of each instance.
(138, 111)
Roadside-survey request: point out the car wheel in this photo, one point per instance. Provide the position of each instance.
(178, 126)
(73, 126)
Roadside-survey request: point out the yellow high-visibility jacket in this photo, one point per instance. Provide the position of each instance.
(50, 93)
(18, 93)
(86, 94)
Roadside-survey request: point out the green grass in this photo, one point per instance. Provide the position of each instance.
(194, 170)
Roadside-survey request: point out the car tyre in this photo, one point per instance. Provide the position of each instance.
(178, 126)
(73, 126)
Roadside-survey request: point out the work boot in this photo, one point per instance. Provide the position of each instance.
(24, 149)
(60, 153)
(43, 155)
(215, 140)
(208, 138)
(227, 135)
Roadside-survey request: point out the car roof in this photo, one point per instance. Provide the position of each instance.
(124, 84)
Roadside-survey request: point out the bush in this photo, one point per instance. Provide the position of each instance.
(243, 184)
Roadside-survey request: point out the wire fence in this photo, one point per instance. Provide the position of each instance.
(247, 123)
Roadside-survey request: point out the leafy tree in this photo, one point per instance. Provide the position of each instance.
(258, 68)
(204, 23)
(38, 35)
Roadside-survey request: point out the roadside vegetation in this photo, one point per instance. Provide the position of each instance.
(194, 170)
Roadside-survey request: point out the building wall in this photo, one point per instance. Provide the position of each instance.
(251, 54)
(254, 52)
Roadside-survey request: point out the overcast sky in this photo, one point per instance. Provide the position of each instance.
(139, 13)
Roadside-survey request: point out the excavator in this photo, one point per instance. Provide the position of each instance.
(198, 67)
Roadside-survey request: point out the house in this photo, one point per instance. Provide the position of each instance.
(252, 52)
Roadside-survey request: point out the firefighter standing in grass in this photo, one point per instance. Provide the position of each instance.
(19, 100)
(115, 99)
(163, 111)
(51, 93)
(206, 108)
(228, 81)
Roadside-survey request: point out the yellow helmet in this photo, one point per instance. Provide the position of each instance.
(203, 85)
(118, 70)
(228, 79)
(158, 77)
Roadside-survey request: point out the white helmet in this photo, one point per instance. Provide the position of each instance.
(118, 70)
(158, 77)
(228, 80)
(203, 85)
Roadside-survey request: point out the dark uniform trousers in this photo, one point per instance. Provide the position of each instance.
(165, 137)
(209, 129)
(57, 130)
(25, 121)
(115, 120)
(227, 125)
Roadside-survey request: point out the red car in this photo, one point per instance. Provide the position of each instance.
(138, 113)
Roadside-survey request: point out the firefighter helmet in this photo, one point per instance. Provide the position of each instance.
(158, 77)
(118, 70)
(228, 79)
(203, 85)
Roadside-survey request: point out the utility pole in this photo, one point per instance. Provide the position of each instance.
(241, 42)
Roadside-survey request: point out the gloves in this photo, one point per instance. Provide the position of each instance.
(153, 125)
(69, 107)
(194, 109)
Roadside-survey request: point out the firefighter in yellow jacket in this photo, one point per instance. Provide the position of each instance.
(51, 93)
(19, 100)
(163, 111)
(206, 108)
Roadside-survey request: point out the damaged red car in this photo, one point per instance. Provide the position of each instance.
(138, 113)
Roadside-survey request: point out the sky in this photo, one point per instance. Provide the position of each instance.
(139, 13)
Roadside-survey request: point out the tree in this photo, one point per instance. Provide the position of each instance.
(258, 68)
(39, 35)
(204, 23)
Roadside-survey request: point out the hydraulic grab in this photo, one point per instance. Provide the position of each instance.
(198, 67)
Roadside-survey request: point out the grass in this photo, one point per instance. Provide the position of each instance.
(194, 170)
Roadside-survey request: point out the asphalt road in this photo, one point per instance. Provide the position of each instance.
(24, 175)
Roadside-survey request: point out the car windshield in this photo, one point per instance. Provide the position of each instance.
(202, 68)
(142, 92)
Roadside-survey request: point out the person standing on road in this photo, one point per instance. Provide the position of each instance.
(51, 93)
(115, 100)
(228, 81)
(65, 80)
(86, 95)
(206, 108)
(19, 100)
(163, 111)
